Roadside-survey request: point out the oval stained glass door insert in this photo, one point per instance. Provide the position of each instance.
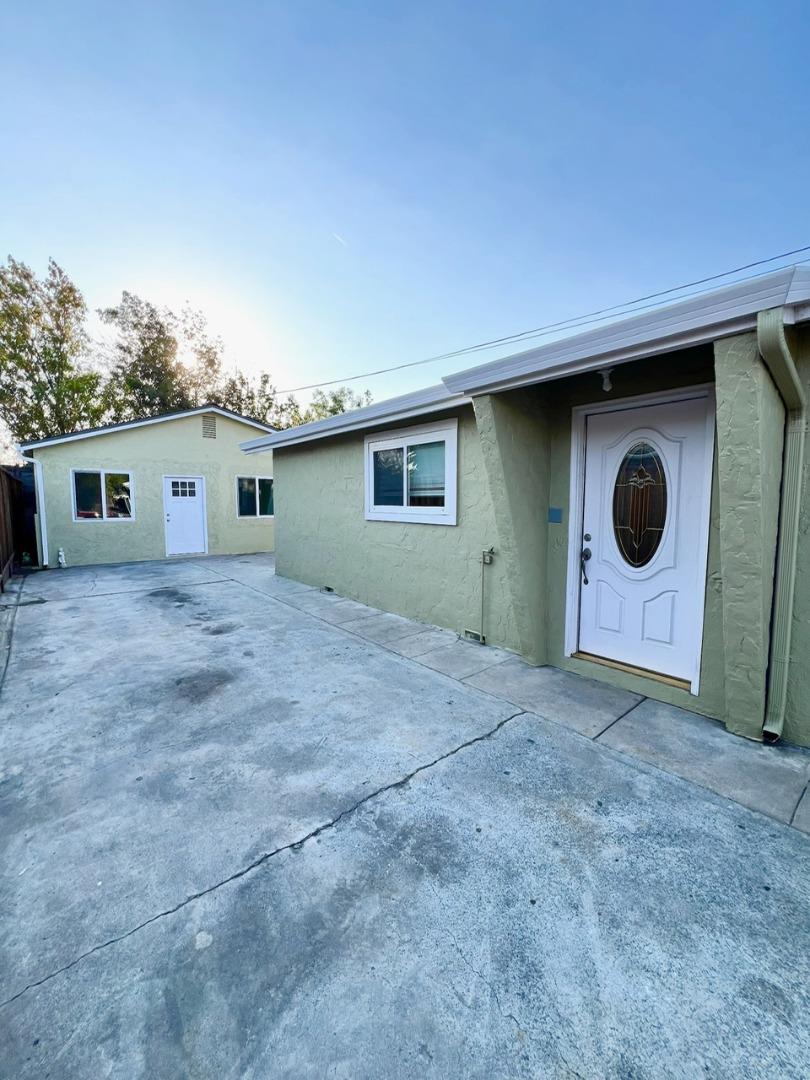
(640, 504)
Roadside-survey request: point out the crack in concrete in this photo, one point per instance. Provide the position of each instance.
(294, 845)
(521, 1030)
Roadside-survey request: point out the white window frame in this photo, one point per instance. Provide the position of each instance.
(444, 430)
(250, 517)
(103, 474)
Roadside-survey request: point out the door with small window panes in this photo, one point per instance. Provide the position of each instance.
(184, 511)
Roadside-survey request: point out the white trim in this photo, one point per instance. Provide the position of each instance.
(39, 501)
(249, 517)
(699, 319)
(102, 475)
(188, 554)
(113, 428)
(576, 499)
(444, 431)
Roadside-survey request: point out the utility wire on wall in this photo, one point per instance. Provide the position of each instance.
(629, 307)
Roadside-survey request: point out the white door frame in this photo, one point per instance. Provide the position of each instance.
(184, 476)
(577, 501)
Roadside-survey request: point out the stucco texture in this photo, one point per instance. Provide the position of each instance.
(750, 438)
(797, 713)
(514, 435)
(428, 572)
(174, 447)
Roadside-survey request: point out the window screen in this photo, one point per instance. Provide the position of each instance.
(426, 474)
(116, 490)
(265, 497)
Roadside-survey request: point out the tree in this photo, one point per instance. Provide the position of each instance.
(147, 376)
(258, 399)
(46, 384)
(331, 403)
(160, 362)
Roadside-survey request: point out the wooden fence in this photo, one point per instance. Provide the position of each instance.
(10, 498)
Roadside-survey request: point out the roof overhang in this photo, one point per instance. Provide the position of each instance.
(698, 320)
(111, 429)
(420, 403)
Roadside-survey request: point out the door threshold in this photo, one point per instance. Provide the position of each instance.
(645, 673)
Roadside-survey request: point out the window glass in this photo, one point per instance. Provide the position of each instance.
(388, 466)
(87, 486)
(247, 496)
(426, 474)
(116, 490)
(265, 497)
(640, 504)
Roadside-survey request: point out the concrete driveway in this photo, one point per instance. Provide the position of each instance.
(242, 842)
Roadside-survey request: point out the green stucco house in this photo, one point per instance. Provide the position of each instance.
(642, 489)
(173, 485)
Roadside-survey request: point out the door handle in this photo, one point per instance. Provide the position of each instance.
(583, 559)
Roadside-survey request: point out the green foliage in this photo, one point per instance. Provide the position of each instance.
(52, 382)
(332, 402)
(161, 362)
(46, 384)
(257, 398)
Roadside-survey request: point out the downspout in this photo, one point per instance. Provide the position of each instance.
(39, 495)
(774, 347)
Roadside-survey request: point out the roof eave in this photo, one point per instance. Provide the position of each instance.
(682, 324)
(289, 437)
(113, 429)
(608, 358)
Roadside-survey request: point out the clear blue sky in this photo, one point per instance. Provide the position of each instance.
(345, 185)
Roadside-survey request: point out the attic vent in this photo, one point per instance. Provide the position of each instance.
(209, 424)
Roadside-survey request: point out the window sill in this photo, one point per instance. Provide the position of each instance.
(405, 518)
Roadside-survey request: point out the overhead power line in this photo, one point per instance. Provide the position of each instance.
(586, 319)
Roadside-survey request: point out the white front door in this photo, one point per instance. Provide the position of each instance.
(184, 508)
(645, 524)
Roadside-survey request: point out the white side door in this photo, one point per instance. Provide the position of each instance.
(645, 524)
(184, 510)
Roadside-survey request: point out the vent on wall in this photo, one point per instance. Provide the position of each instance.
(209, 426)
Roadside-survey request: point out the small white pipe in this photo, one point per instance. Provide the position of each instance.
(39, 493)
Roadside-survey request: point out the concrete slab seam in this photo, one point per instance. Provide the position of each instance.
(804, 795)
(607, 727)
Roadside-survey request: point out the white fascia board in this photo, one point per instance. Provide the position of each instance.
(112, 429)
(700, 319)
(383, 413)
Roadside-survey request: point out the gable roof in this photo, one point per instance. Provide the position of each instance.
(109, 429)
(698, 319)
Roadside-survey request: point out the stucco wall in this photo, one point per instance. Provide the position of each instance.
(797, 714)
(172, 448)
(428, 572)
(513, 431)
(750, 436)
